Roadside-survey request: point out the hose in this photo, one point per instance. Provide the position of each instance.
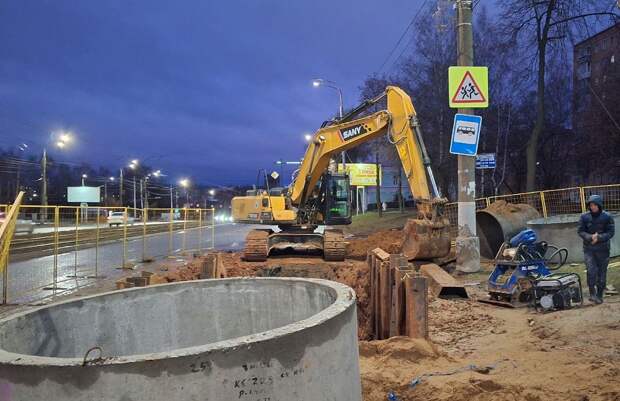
(563, 255)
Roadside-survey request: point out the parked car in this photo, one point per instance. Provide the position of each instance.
(21, 226)
(118, 218)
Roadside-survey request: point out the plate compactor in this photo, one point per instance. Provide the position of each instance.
(523, 276)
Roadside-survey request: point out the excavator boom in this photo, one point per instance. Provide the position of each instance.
(307, 202)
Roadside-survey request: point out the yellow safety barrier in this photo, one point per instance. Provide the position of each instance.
(550, 202)
(57, 249)
(7, 229)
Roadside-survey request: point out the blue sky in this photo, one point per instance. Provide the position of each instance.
(211, 90)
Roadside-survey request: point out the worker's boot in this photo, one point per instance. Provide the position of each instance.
(592, 298)
(599, 295)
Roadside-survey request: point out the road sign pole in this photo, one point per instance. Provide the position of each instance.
(467, 243)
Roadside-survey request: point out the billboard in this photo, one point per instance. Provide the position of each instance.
(83, 194)
(362, 174)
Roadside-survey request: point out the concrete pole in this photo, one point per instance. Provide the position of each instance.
(134, 194)
(171, 204)
(44, 184)
(467, 243)
(120, 191)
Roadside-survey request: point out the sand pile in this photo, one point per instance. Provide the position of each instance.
(388, 240)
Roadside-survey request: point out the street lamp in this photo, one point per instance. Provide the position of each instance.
(308, 137)
(212, 192)
(84, 176)
(62, 139)
(184, 182)
(331, 84)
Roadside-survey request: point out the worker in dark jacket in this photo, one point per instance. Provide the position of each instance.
(596, 228)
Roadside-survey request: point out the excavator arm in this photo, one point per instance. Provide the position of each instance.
(307, 203)
(400, 123)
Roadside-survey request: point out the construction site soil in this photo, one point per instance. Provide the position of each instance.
(474, 351)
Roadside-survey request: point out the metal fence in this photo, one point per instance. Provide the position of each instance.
(550, 202)
(57, 249)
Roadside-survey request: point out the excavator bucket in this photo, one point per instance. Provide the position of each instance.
(426, 239)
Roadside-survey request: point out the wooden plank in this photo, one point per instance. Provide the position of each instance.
(400, 266)
(371, 290)
(416, 300)
(381, 254)
(385, 299)
(376, 301)
(441, 283)
(399, 295)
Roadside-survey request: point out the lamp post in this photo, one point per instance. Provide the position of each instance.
(62, 139)
(84, 177)
(331, 84)
(105, 190)
(134, 165)
(184, 182)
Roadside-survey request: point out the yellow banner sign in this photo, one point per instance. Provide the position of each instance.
(362, 174)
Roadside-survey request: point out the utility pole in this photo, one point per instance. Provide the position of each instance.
(105, 193)
(120, 191)
(146, 192)
(467, 243)
(134, 194)
(141, 195)
(171, 204)
(44, 184)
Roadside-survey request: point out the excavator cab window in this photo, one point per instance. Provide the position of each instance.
(337, 199)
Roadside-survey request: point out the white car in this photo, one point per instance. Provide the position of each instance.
(118, 218)
(21, 226)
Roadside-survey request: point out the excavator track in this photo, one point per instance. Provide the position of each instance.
(256, 246)
(334, 247)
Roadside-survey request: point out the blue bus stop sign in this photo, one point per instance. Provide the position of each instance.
(465, 134)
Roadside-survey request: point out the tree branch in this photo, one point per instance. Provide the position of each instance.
(562, 21)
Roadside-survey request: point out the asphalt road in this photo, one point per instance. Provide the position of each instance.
(32, 278)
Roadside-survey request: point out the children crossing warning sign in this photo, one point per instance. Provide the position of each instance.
(469, 87)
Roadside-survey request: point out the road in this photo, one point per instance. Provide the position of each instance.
(32, 278)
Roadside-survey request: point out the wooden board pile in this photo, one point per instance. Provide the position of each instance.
(398, 297)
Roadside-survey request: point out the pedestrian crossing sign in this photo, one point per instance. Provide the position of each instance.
(468, 87)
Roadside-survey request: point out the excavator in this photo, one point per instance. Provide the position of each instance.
(318, 196)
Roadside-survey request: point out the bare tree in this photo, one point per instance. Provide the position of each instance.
(540, 25)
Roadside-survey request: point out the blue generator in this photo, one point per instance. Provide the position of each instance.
(523, 275)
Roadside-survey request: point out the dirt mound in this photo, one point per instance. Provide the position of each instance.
(415, 369)
(388, 240)
(351, 272)
(398, 348)
(453, 322)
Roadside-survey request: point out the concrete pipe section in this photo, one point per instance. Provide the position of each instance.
(561, 231)
(248, 339)
(499, 222)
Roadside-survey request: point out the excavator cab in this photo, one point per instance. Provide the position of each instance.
(337, 199)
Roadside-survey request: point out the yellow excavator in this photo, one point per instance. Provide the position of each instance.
(318, 196)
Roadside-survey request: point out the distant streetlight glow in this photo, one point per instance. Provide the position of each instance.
(60, 144)
(65, 138)
(84, 176)
(316, 83)
(308, 137)
(112, 178)
(184, 182)
(212, 192)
